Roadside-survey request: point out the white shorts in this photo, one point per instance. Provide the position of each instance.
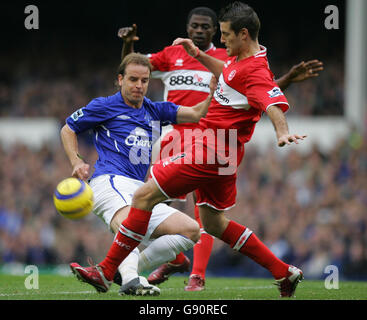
(113, 192)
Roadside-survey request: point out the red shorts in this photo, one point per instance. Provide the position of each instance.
(175, 179)
(176, 133)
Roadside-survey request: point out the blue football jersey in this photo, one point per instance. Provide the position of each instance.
(123, 136)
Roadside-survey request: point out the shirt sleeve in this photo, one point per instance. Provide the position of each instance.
(166, 112)
(159, 61)
(262, 91)
(89, 116)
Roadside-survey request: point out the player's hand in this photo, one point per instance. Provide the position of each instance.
(128, 34)
(213, 84)
(289, 139)
(305, 70)
(81, 171)
(188, 45)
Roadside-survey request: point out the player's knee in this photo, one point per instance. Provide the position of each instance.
(191, 230)
(214, 222)
(146, 197)
(213, 229)
(143, 199)
(194, 231)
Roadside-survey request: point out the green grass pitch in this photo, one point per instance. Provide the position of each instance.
(54, 287)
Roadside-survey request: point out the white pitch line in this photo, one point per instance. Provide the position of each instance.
(33, 293)
(94, 292)
(250, 288)
(231, 288)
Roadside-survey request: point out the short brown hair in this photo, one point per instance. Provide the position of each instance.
(135, 58)
(240, 16)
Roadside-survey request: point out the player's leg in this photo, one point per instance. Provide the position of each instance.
(242, 239)
(132, 230)
(127, 237)
(181, 231)
(127, 275)
(162, 186)
(180, 263)
(202, 252)
(178, 232)
(170, 232)
(213, 202)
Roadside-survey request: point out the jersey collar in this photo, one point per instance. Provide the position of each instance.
(210, 47)
(261, 53)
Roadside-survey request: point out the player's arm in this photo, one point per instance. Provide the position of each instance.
(195, 113)
(280, 124)
(214, 65)
(70, 142)
(300, 72)
(128, 35)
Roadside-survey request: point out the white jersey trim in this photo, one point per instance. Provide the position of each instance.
(261, 53)
(211, 206)
(275, 103)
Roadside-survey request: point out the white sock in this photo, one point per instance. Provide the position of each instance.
(162, 250)
(129, 267)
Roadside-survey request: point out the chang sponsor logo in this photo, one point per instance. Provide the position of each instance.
(141, 143)
(138, 138)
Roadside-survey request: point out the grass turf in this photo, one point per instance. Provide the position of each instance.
(53, 287)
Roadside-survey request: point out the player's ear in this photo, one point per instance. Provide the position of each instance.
(119, 79)
(244, 34)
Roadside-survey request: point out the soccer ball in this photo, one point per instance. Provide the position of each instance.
(73, 198)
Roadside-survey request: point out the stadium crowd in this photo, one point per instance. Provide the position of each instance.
(309, 209)
(31, 89)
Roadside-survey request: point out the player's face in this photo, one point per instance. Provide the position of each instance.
(201, 30)
(134, 84)
(232, 41)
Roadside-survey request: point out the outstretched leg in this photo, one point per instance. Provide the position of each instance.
(130, 233)
(202, 252)
(242, 239)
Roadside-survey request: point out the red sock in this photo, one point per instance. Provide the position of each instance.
(129, 236)
(245, 241)
(180, 258)
(202, 249)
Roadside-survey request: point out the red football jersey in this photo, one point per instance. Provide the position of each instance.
(186, 80)
(245, 90)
